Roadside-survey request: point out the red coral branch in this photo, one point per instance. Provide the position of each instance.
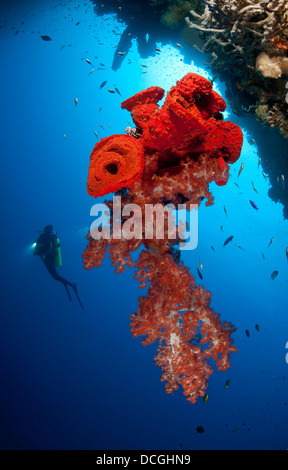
(176, 312)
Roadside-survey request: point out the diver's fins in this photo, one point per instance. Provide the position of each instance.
(74, 287)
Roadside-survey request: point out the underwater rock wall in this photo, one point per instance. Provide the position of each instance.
(248, 42)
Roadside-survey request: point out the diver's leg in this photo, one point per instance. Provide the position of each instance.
(52, 270)
(67, 290)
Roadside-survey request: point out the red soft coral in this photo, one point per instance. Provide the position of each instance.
(185, 145)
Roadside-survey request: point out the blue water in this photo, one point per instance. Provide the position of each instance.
(73, 379)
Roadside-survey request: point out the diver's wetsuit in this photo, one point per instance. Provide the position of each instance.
(47, 250)
(47, 241)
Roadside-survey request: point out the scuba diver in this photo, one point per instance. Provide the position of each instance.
(47, 247)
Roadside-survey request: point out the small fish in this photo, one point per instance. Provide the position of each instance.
(238, 246)
(88, 61)
(257, 327)
(271, 241)
(287, 253)
(157, 49)
(229, 239)
(102, 65)
(259, 162)
(76, 24)
(103, 84)
(200, 429)
(100, 109)
(110, 90)
(274, 275)
(247, 333)
(221, 228)
(241, 169)
(121, 53)
(263, 256)
(46, 38)
(64, 136)
(283, 181)
(265, 176)
(76, 101)
(225, 210)
(178, 45)
(109, 125)
(117, 91)
(253, 205)
(227, 383)
(199, 274)
(254, 187)
(200, 264)
(91, 72)
(101, 125)
(205, 398)
(95, 133)
(212, 248)
(143, 65)
(237, 185)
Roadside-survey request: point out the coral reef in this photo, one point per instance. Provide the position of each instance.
(186, 145)
(248, 40)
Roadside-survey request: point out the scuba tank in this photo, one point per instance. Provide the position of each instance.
(57, 258)
(38, 248)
